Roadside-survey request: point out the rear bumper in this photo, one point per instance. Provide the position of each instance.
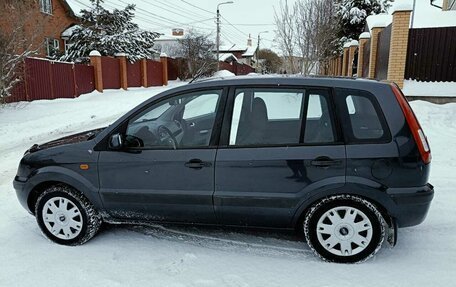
(412, 204)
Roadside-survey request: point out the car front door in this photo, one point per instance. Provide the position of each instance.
(165, 172)
(283, 145)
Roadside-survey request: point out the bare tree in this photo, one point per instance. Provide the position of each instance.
(286, 34)
(197, 49)
(16, 42)
(310, 34)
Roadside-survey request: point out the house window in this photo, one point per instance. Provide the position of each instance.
(52, 47)
(46, 6)
(67, 45)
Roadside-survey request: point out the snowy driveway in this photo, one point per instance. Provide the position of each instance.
(170, 256)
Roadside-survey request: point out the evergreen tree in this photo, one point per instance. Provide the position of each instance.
(352, 15)
(109, 32)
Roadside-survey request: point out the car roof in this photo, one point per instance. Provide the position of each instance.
(287, 80)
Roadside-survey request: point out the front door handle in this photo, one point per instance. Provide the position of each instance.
(324, 161)
(197, 163)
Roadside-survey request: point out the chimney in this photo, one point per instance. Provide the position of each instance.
(249, 41)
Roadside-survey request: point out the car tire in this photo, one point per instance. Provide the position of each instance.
(65, 216)
(344, 229)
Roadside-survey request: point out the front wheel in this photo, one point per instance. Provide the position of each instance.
(65, 216)
(344, 229)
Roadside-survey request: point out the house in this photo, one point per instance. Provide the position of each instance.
(46, 26)
(169, 44)
(243, 54)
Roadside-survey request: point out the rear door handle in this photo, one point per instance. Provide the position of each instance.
(197, 163)
(324, 161)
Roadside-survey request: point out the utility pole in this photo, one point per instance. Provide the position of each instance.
(218, 32)
(258, 50)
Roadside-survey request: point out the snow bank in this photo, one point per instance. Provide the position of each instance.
(223, 74)
(429, 89)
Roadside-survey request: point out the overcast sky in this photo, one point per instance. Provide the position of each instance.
(240, 19)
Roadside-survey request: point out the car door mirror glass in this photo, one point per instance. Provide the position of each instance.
(116, 142)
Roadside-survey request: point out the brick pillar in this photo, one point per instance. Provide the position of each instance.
(351, 56)
(123, 70)
(362, 42)
(373, 50)
(164, 61)
(345, 61)
(144, 73)
(95, 61)
(398, 46)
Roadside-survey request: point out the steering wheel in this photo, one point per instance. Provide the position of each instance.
(166, 137)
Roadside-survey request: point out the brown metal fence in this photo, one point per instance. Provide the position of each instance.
(134, 74)
(431, 54)
(154, 73)
(111, 72)
(45, 79)
(383, 49)
(366, 58)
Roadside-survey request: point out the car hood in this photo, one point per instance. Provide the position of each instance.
(71, 139)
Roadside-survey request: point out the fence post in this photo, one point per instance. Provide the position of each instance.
(351, 56)
(373, 48)
(398, 47)
(123, 70)
(144, 73)
(362, 42)
(95, 61)
(164, 61)
(345, 59)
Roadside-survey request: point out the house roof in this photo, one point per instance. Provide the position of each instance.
(226, 57)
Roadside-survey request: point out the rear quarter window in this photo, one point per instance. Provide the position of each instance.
(363, 119)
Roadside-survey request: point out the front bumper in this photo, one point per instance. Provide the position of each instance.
(412, 204)
(22, 192)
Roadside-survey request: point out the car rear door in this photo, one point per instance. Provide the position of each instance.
(279, 146)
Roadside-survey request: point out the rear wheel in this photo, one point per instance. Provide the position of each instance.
(65, 216)
(344, 229)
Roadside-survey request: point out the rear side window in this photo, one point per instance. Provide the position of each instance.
(276, 116)
(364, 116)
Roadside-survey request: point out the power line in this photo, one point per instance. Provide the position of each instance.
(235, 27)
(180, 9)
(166, 9)
(197, 7)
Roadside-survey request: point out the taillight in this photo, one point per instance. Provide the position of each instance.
(414, 125)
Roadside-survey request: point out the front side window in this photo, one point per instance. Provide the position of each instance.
(281, 117)
(46, 6)
(184, 121)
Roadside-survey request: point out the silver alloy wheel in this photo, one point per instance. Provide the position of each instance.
(344, 231)
(62, 218)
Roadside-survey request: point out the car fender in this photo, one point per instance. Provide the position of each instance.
(66, 176)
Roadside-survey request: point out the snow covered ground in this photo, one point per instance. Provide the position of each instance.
(172, 256)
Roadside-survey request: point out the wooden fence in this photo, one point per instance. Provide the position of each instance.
(237, 68)
(431, 54)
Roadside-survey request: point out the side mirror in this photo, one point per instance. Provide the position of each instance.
(116, 142)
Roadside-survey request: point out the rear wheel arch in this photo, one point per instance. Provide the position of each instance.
(307, 205)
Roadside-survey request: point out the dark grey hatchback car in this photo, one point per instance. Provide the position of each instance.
(344, 161)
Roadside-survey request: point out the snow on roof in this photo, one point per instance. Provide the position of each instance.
(402, 5)
(69, 31)
(354, 43)
(347, 45)
(250, 52)
(365, 35)
(225, 56)
(379, 21)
